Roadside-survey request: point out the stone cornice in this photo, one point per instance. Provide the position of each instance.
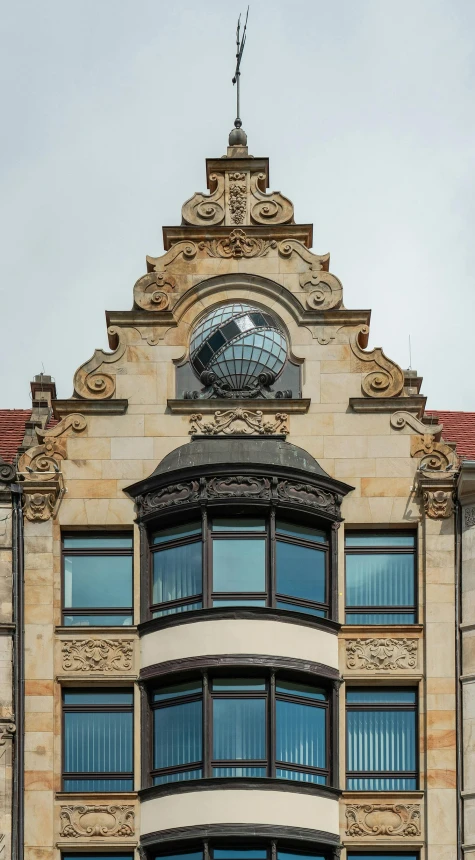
(302, 232)
(61, 408)
(189, 407)
(414, 404)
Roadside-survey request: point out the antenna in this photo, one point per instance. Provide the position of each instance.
(240, 42)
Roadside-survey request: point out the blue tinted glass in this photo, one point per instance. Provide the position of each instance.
(92, 856)
(189, 855)
(250, 772)
(236, 524)
(381, 741)
(380, 579)
(300, 734)
(239, 565)
(293, 855)
(380, 618)
(385, 696)
(295, 607)
(239, 602)
(177, 572)
(299, 531)
(100, 697)
(176, 532)
(239, 853)
(383, 856)
(300, 776)
(238, 684)
(300, 571)
(384, 783)
(98, 742)
(177, 734)
(191, 688)
(90, 542)
(378, 539)
(97, 581)
(174, 610)
(291, 689)
(181, 776)
(239, 730)
(98, 784)
(122, 620)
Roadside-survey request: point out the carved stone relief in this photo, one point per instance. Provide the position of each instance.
(401, 419)
(176, 494)
(240, 421)
(324, 289)
(99, 821)
(437, 489)
(383, 819)
(89, 382)
(7, 472)
(243, 197)
(237, 203)
(306, 494)
(238, 245)
(97, 655)
(185, 249)
(381, 655)
(384, 377)
(206, 209)
(153, 291)
(433, 455)
(470, 516)
(241, 486)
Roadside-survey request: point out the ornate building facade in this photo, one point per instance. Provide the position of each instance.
(240, 593)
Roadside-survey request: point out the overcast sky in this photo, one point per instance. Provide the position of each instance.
(364, 107)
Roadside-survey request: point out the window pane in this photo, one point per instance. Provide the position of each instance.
(381, 741)
(98, 784)
(300, 734)
(300, 571)
(97, 581)
(189, 855)
(378, 539)
(122, 620)
(239, 565)
(100, 697)
(300, 531)
(383, 856)
(380, 618)
(239, 730)
(381, 783)
(384, 696)
(380, 580)
(98, 742)
(177, 734)
(239, 602)
(296, 607)
(298, 855)
(174, 610)
(291, 689)
(176, 532)
(101, 856)
(239, 853)
(177, 572)
(236, 524)
(238, 684)
(181, 776)
(250, 772)
(90, 542)
(191, 688)
(300, 776)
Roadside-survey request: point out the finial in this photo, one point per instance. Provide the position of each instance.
(238, 136)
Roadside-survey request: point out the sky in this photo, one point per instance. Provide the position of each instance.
(364, 107)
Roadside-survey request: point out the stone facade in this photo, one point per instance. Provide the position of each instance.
(359, 415)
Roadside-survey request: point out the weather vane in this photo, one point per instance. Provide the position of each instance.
(237, 74)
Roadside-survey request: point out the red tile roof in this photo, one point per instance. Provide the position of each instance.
(458, 427)
(12, 431)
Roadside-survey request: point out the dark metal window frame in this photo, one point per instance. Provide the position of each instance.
(88, 708)
(104, 552)
(271, 535)
(270, 695)
(391, 609)
(382, 706)
(271, 847)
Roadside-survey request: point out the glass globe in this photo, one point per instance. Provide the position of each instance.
(238, 343)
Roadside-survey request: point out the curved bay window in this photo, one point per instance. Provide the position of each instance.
(240, 561)
(254, 726)
(255, 850)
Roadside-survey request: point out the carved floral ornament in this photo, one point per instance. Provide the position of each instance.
(383, 819)
(237, 197)
(243, 422)
(97, 655)
(99, 821)
(381, 655)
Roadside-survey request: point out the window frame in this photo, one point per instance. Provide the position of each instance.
(386, 550)
(207, 695)
(87, 708)
(251, 842)
(382, 706)
(271, 535)
(103, 552)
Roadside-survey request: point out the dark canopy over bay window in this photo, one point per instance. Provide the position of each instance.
(238, 522)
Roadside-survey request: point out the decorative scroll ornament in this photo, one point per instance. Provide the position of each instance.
(271, 208)
(401, 419)
(324, 289)
(176, 494)
(239, 421)
(7, 472)
(381, 655)
(7, 730)
(307, 494)
(433, 455)
(206, 209)
(102, 821)
(153, 292)
(241, 486)
(89, 384)
(238, 245)
(97, 655)
(237, 197)
(383, 819)
(185, 249)
(385, 377)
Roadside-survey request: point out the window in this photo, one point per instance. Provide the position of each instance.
(98, 740)
(225, 727)
(381, 739)
(97, 580)
(384, 856)
(254, 561)
(380, 578)
(94, 856)
(258, 851)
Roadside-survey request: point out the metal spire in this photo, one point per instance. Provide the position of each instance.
(239, 137)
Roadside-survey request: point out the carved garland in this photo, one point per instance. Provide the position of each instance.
(97, 655)
(239, 421)
(381, 655)
(383, 819)
(102, 821)
(237, 197)
(385, 378)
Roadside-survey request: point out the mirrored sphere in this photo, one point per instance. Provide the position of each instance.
(238, 342)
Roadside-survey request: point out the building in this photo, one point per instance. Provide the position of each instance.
(240, 590)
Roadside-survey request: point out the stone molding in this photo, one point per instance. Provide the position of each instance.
(383, 819)
(243, 422)
(97, 821)
(97, 655)
(384, 378)
(381, 654)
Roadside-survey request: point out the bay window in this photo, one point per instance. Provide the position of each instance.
(253, 851)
